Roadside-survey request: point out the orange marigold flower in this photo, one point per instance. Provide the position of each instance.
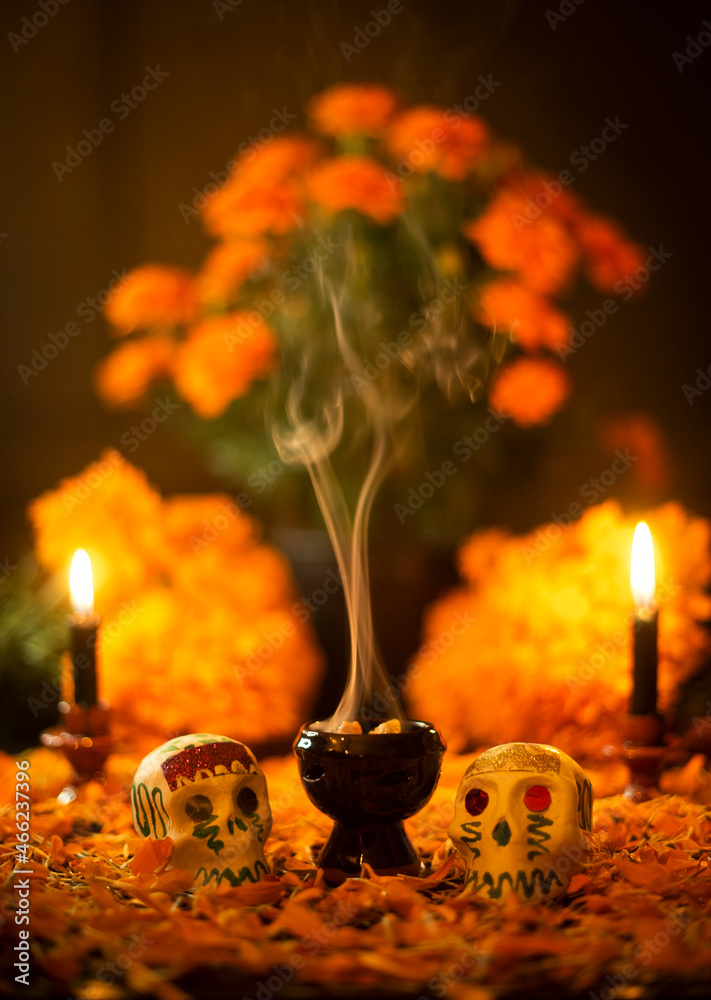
(227, 267)
(610, 255)
(188, 595)
(428, 139)
(357, 182)
(530, 318)
(560, 672)
(152, 296)
(265, 193)
(531, 390)
(76, 515)
(124, 376)
(642, 435)
(220, 359)
(352, 110)
(516, 234)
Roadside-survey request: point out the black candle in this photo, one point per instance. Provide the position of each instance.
(84, 626)
(644, 628)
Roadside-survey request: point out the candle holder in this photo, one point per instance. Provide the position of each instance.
(646, 747)
(368, 784)
(84, 737)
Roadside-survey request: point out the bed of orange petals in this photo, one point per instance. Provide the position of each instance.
(109, 918)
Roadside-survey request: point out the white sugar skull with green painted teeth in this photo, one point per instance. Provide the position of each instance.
(209, 795)
(521, 816)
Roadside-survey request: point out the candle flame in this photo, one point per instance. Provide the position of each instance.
(81, 583)
(642, 578)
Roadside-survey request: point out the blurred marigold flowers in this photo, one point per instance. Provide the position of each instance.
(201, 629)
(265, 194)
(357, 182)
(153, 295)
(227, 267)
(547, 654)
(220, 358)
(610, 255)
(124, 376)
(432, 181)
(530, 390)
(541, 250)
(353, 110)
(427, 138)
(507, 306)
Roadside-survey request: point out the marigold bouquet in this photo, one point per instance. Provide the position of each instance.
(442, 250)
(201, 627)
(536, 643)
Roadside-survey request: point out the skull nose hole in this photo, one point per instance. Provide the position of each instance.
(313, 773)
(502, 833)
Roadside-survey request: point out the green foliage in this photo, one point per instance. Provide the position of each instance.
(33, 633)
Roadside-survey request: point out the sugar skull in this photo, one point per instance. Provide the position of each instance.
(521, 813)
(209, 795)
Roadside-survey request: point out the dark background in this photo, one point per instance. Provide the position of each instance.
(227, 70)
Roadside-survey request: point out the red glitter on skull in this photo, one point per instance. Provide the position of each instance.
(204, 757)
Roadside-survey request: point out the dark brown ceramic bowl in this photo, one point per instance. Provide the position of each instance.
(368, 785)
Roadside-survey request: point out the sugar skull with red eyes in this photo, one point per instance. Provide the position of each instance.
(522, 813)
(209, 794)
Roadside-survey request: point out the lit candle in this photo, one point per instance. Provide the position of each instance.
(644, 677)
(84, 628)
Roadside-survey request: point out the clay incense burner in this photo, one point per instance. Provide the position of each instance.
(368, 785)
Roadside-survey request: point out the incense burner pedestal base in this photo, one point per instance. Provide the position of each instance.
(368, 785)
(386, 849)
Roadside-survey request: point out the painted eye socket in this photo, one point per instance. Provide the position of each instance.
(247, 801)
(198, 808)
(476, 801)
(537, 798)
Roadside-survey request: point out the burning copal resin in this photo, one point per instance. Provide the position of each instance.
(355, 728)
